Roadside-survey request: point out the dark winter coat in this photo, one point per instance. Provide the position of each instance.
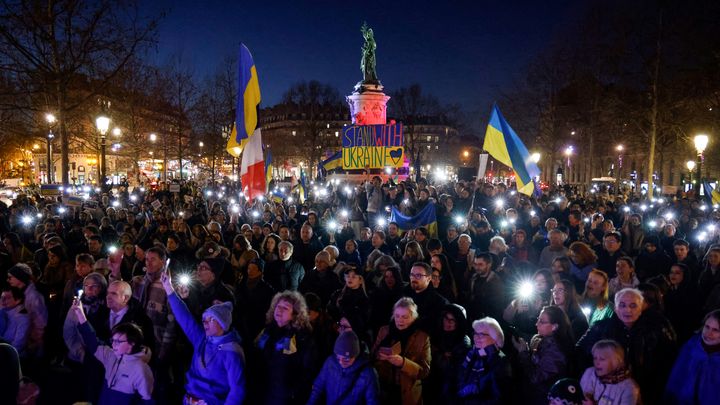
(484, 379)
(541, 366)
(288, 367)
(355, 385)
(321, 283)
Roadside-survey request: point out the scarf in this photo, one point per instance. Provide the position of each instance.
(615, 377)
(395, 335)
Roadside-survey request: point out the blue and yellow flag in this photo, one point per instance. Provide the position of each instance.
(331, 163)
(301, 187)
(712, 196)
(248, 100)
(268, 167)
(426, 217)
(502, 143)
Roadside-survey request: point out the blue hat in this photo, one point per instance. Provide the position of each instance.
(222, 313)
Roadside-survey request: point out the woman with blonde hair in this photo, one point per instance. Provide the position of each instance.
(288, 358)
(595, 299)
(402, 356)
(609, 381)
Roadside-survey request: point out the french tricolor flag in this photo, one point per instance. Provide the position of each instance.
(252, 169)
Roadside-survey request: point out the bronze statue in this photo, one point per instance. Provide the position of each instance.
(367, 64)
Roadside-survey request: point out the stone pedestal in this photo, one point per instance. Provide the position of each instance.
(368, 104)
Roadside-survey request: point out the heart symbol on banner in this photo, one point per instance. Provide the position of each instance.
(396, 155)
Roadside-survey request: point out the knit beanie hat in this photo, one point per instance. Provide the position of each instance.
(567, 391)
(21, 272)
(347, 345)
(222, 313)
(217, 265)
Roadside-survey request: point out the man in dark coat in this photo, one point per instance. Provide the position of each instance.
(306, 248)
(427, 299)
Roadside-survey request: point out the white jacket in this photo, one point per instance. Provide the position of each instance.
(625, 392)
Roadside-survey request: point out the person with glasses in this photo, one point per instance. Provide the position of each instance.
(485, 374)
(610, 253)
(429, 302)
(402, 355)
(565, 297)
(547, 357)
(128, 377)
(347, 376)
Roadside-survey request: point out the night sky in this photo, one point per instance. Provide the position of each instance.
(461, 51)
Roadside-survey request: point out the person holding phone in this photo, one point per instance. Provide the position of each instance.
(402, 356)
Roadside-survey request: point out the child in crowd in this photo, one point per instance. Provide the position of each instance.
(608, 382)
(128, 377)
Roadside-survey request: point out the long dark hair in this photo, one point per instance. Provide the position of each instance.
(563, 334)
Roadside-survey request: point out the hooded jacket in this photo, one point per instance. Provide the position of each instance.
(355, 385)
(217, 370)
(126, 377)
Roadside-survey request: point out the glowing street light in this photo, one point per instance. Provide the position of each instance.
(50, 118)
(535, 157)
(701, 142)
(103, 123)
(153, 137)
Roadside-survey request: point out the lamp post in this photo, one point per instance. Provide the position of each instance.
(701, 141)
(620, 150)
(568, 152)
(50, 118)
(691, 166)
(103, 123)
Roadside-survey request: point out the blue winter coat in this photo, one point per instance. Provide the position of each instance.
(695, 377)
(355, 385)
(217, 370)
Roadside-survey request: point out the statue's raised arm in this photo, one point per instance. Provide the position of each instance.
(367, 64)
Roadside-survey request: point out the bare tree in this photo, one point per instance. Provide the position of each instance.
(49, 46)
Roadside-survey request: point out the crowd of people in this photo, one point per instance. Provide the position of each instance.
(200, 296)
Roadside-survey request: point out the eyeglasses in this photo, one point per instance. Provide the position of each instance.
(118, 341)
(541, 322)
(418, 276)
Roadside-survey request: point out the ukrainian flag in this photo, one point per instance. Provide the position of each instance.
(425, 218)
(712, 196)
(246, 111)
(268, 168)
(301, 187)
(331, 163)
(502, 143)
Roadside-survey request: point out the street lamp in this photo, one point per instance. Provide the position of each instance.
(50, 118)
(153, 137)
(691, 166)
(620, 150)
(535, 157)
(103, 123)
(568, 152)
(701, 142)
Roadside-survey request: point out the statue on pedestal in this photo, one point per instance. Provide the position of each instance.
(367, 64)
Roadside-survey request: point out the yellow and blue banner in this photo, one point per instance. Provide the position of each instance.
(426, 217)
(502, 143)
(712, 196)
(301, 187)
(268, 167)
(248, 101)
(331, 163)
(373, 146)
